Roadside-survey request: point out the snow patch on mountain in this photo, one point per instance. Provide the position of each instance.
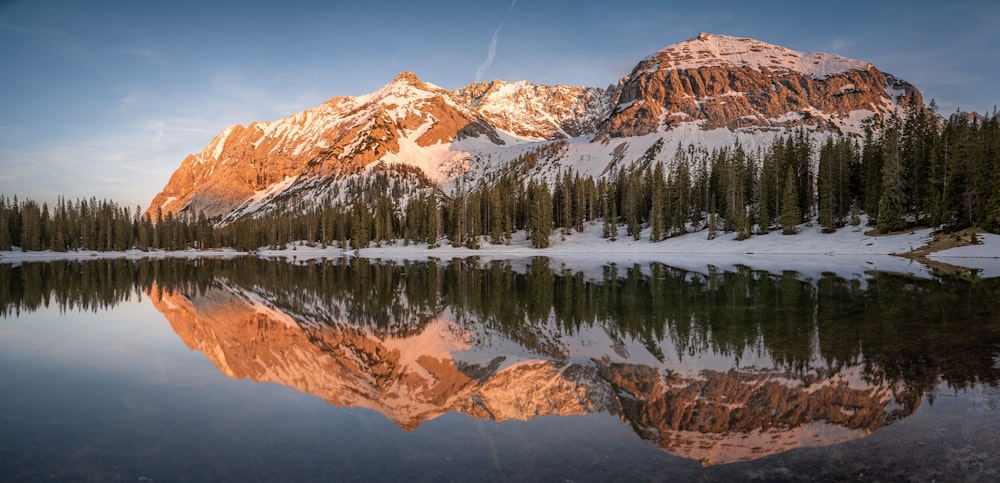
(723, 50)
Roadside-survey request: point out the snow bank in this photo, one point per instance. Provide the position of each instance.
(848, 253)
(17, 256)
(984, 257)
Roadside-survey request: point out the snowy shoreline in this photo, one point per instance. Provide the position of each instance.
(846, 252)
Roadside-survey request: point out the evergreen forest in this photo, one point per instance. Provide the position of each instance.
(921, 170)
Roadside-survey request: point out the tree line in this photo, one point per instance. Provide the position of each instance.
(99, 225)
(893, 322)
(917, 170)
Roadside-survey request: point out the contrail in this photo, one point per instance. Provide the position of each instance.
(493, 45)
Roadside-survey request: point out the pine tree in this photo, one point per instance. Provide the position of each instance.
(579, 203)
(433, 222)
(360, 219)
(890, 208)
(5, 235)
(768, 187)
(803, 172)
(606, 202)
(790, 214)
(917, 144)
(680, 201)
(31, 220)
(872, 161)
(825, 183)
(657, 202)
(988, 195)
(540, 217)
(495, 215)
(741, 180)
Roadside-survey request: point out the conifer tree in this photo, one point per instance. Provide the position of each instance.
(540, 215)
(871, 160)
(890, 208)
(5, 235)
(825, 184)
(360, 219)
(495, 215)
(790, 214)
(606, 203)
(433, 222)
(768, 188)
(680, 209)
(31, 220)
(657, 202)
(579, 203)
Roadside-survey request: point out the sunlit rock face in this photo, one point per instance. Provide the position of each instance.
(409, 125)
(247, 166)
(702, 406)
(739, 83)
(538, 111)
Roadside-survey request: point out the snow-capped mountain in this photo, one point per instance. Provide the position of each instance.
(708, 91)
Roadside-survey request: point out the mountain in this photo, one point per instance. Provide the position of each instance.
(709, 91)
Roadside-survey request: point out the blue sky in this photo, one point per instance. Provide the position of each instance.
(105, 98)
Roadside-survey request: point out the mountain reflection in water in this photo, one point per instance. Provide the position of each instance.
(716, 367)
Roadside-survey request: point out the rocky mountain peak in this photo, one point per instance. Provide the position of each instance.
(538, 111)
(737, 83)
(407, 77)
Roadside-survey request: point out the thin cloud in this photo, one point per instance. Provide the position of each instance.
(492, 51)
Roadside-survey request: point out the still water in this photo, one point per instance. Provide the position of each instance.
(354, 370)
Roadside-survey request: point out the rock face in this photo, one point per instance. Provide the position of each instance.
(742, 86)
(733, 83)
(413, 375)
(407, 121)
(536, 111)
(339, 137)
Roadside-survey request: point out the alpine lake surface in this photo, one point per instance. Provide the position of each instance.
(248, 369)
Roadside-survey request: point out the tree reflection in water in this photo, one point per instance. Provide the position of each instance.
(717, 366)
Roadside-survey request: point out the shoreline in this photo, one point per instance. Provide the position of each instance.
(847, 252)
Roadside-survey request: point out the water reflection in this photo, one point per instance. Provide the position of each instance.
(715, 367)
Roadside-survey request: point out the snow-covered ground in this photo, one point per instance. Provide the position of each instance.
(16, 257)
(847, 253)
(811, 253)
(985, 256)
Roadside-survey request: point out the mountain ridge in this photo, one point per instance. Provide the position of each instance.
(711, 91)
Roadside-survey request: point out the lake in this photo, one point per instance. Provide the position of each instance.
(465, 370)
